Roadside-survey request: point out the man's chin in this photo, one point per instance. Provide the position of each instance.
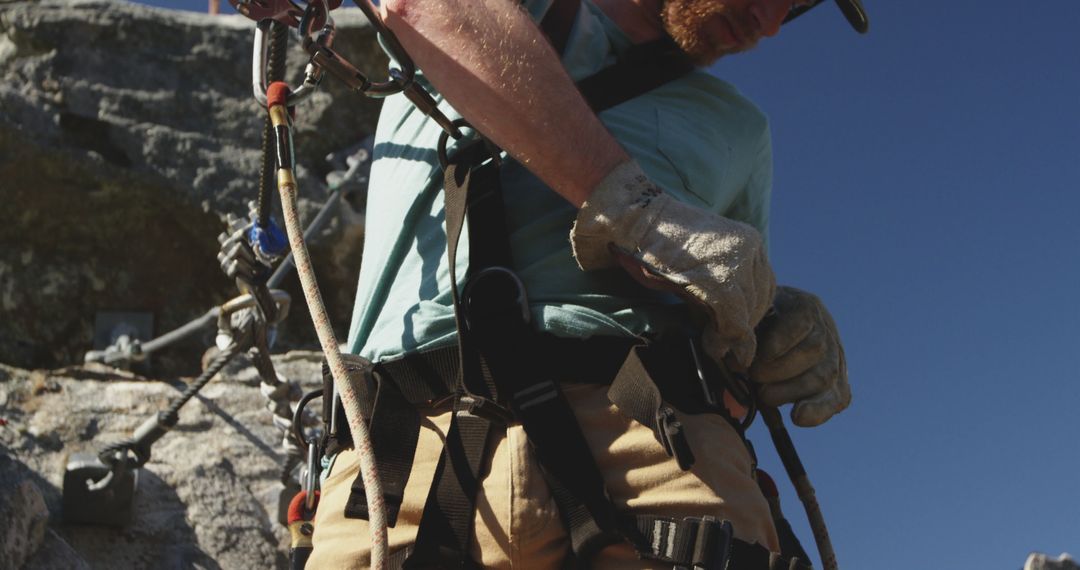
(704, 55)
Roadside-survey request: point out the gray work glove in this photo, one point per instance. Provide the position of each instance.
(800, 359)
(236, 257)
(718, 264)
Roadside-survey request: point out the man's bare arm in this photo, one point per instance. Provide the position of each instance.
(493, 64)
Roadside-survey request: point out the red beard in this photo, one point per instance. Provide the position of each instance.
(693, 24)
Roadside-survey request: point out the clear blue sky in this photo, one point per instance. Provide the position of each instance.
(927, 188)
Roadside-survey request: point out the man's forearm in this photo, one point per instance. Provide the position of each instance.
(491, 62)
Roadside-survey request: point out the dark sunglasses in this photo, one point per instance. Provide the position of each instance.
(797, 11)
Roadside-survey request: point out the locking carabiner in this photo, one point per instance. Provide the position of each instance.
(313, 74)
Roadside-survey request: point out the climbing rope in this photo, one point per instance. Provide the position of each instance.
(277, 98)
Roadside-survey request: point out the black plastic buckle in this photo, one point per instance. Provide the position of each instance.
(673, 437)
(484, 408)
(706, 388)
(712, 543)
(535, 395)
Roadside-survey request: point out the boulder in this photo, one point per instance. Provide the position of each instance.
(1038, 561)
(128, 133)
(208, 497)
(23, 515)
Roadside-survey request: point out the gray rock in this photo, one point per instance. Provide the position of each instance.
(23, 515)
(1037, 561)
(128, 132)
(54, 554)
(207, 498)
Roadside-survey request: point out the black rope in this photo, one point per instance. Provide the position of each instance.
(275, 71)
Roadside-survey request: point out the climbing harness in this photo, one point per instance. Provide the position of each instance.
(501, 370)
(497, 372)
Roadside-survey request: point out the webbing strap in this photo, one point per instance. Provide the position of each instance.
(393, 440)
(506, 341)
(393, 437)
(558, 22)
(706, 543)
(637, 396)
(446, 523)
(641, 69)
(697, 543)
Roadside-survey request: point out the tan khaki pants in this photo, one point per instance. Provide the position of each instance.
(517, 524)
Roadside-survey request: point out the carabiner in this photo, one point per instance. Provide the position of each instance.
(311, 476)
(313, 74)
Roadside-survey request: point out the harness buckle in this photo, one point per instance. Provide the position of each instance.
(673, 437)
(712, 543)
(483, 408)
(535, 395)
(706, 388)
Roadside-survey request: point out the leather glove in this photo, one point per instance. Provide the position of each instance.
(716, 263)
(800, 359)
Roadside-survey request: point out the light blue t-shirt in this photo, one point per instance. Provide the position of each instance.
(696, 137)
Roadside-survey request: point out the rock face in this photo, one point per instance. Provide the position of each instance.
(207, 498)
(1043, 562)
(127, 133)
(23, 509)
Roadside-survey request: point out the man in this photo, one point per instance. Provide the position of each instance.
(673, 188)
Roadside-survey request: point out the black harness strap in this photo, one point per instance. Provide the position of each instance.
(506, 338)
(393, 437)
(558, 22)
(637, 396)
(393, 440)
(642, 68)
(445, 531)
(706, 542)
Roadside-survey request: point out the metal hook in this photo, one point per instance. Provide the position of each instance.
(260, 56)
